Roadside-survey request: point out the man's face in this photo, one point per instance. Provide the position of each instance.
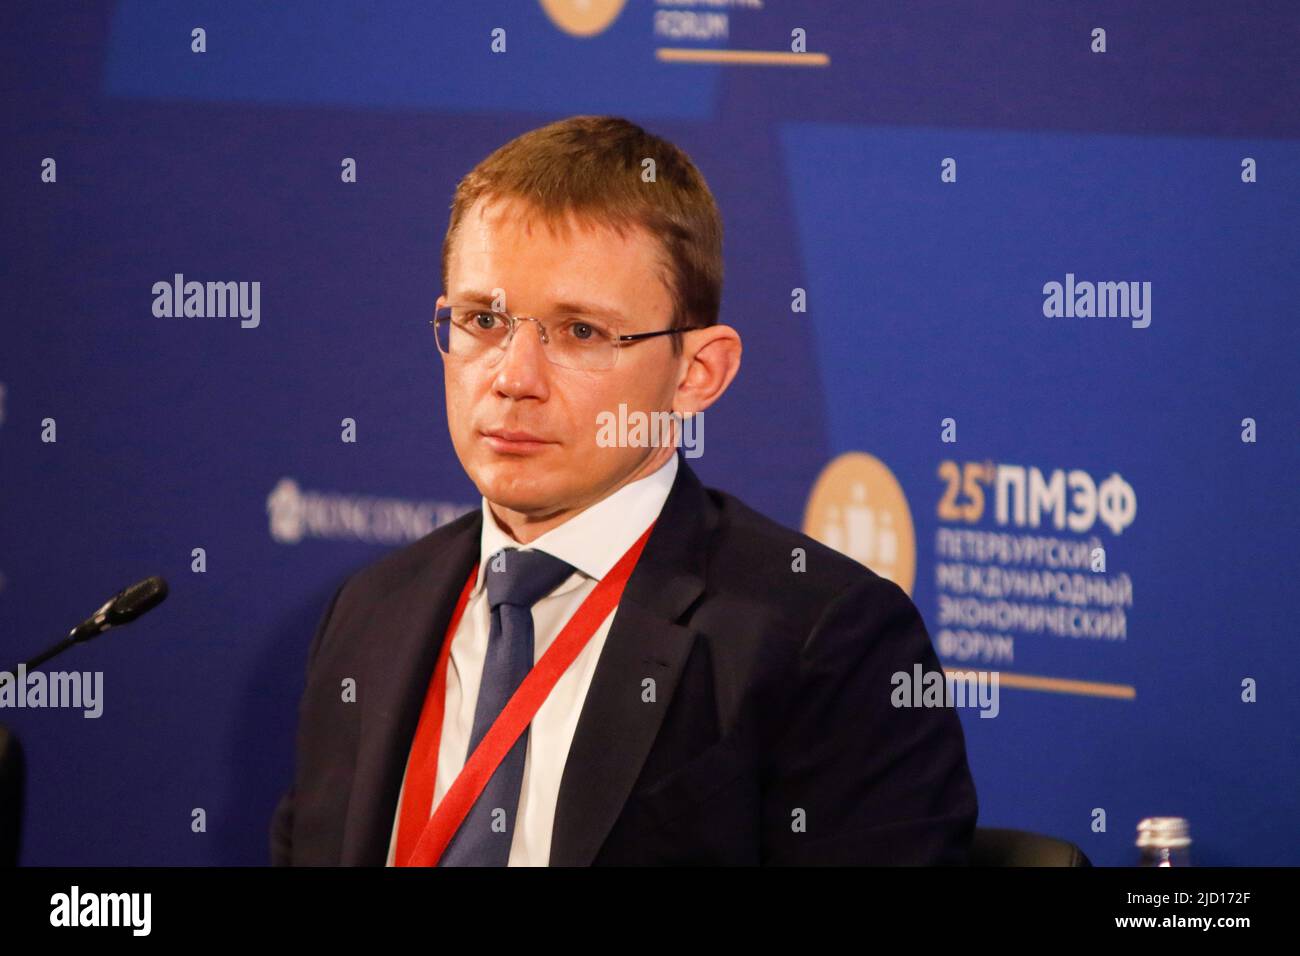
(523, 428)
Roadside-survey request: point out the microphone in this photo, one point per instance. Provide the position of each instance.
(122, 608)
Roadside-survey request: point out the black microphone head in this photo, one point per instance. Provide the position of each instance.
(136, 599)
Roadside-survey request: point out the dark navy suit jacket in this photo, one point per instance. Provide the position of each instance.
(771, 738)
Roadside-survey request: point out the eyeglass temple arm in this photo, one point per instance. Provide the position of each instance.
(649, 335)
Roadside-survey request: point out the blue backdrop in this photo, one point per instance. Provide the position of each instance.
(921, 175)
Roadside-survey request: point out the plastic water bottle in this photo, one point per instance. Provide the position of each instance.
(1164, 841)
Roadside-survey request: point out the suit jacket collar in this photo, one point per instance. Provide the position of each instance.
(615, 729)
(593, 540)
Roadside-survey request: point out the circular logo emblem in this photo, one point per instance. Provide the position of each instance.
(582, 18)
(858, 508)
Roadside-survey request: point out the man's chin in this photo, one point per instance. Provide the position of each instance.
(520, 489)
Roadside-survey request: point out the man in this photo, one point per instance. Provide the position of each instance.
(698, 697)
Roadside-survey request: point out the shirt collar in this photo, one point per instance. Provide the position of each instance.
(594, 539)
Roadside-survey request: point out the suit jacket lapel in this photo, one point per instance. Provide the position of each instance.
(404, 637)
(616, 729)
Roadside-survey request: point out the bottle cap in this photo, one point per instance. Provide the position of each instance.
(1166, 833)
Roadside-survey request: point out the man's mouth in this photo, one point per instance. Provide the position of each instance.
(512, 441)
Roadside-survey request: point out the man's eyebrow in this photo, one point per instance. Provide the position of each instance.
(477, 297)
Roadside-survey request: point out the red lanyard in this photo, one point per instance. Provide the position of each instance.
(421, 839)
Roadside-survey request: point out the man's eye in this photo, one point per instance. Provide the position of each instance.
(476, 319)
(584, 331)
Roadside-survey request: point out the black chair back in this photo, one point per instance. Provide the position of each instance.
(996, 847)
(11, 796)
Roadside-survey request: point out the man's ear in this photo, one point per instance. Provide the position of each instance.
(711, 359)
(438, 304)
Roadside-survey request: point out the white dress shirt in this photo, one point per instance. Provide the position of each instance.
(592, 541)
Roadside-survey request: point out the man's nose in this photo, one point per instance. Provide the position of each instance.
(524, 366)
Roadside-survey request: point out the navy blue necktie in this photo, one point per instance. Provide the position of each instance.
(516, 580)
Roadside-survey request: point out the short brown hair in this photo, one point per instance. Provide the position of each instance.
(592, 166)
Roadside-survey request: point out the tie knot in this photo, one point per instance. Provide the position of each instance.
(522, 578)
